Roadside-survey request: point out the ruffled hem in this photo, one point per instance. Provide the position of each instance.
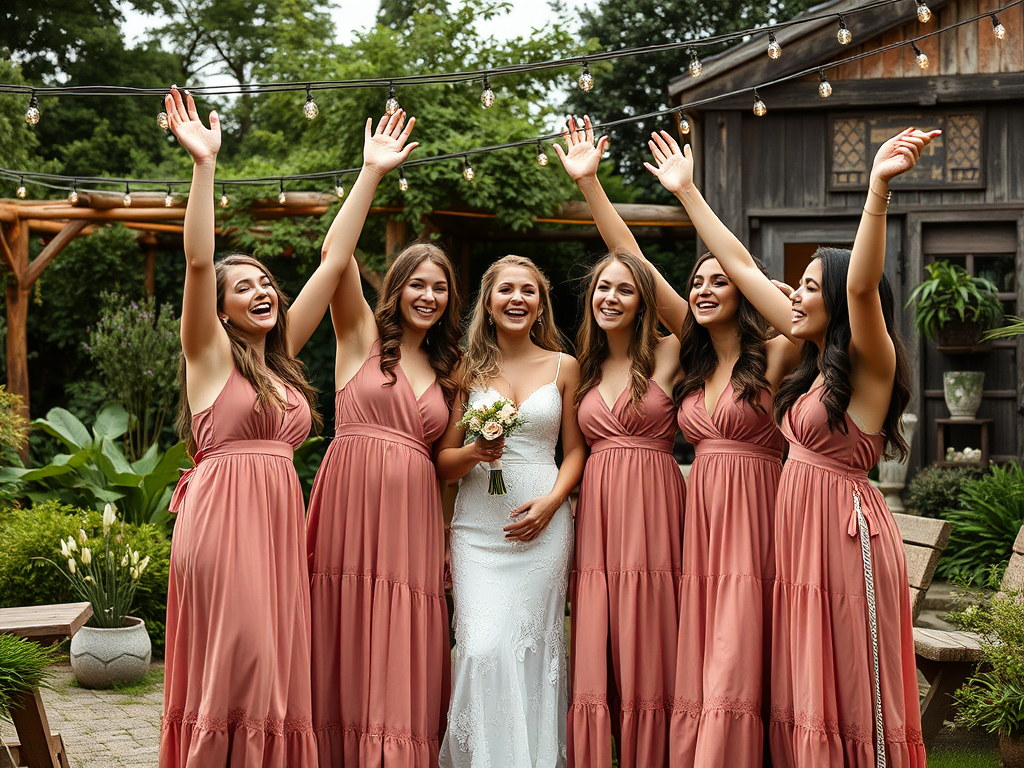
(719, 732)
(376, 746)
(641, 736)
(804, 740)
(239, 740)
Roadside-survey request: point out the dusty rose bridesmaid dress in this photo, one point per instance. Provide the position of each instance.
(375, 540)
(822, 663)
(625, 574)
(236, 680)
(726, 587)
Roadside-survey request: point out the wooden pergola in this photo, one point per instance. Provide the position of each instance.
(58, 223)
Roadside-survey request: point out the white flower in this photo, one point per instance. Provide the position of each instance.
(81, 536)
(71, 544)
(135, 573)
(135, 557)
(143, 564)
(86, 555)
(64, 551)
(474, 424)
(90, 579)
(109, 516)
(72, 565)
(507, 412)
(124, 560)
(492, 430)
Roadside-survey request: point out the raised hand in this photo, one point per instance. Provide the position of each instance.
(183, 119)
(900, 153)
(581, 156)
(385, 149)
(675, 167)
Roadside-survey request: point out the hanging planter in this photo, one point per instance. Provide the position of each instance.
(103, 656)
(962, 390)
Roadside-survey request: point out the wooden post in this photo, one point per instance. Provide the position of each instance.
(148, 240)
(16, 256)
(395, 237)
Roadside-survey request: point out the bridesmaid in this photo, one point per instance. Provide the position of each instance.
(374, 534)
(630, 514)
(844, 683)
(733, 366)
(237, 684)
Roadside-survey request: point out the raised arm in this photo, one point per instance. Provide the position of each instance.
(872, 355)
(581, 159)
(336, 281)
(674, 170)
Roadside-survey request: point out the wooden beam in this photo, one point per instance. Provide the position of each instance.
(17, 319)
(49, 253)
(108, 215)
(7, 255)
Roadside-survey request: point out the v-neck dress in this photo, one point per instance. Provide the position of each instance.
(236, 680)
(624, 593)
(823, 672)
(725, 594)
(375, 543)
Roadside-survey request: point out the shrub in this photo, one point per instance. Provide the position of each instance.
(986, 524)
(935, 491)
(37, 533)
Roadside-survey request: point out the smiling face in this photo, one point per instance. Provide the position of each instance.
(810, 317)
(250, 302)
(616, 298)
(714, 299)
(515, 301)
(424, 296)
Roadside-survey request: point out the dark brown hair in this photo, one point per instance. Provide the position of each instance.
(442, 339)
(592, 341)
(699, 360)
(278, 361)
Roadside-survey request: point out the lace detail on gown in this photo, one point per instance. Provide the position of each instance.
(509, 689)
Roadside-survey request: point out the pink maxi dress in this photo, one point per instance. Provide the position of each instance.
(823, 680)
(623, 595)
(236, 680)
(725, 593)
(375, 540)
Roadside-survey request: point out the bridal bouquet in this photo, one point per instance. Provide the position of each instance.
(492, 416)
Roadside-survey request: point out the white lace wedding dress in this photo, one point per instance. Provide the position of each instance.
(509, 673)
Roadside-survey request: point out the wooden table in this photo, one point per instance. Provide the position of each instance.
(45, 624)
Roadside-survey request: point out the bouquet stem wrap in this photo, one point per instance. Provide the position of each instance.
(496, 480)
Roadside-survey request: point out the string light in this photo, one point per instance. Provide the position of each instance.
(391, 105)
(467, 170)
(310, 109)
(759, 108)
(161, 118)
(774, 49)
(920, 56)
(282, 198)
(224, 200)
(844, 35)
(695, 66)
(21, 191)
(403, 183)
(73, 194)
(684, 125)
(32, 113)
(586, 79)
(824, 87)
(339, 190)
(998, 29)
(542, 159)
(487, 96)
(127, 200)
(924, 13)
(169, 199)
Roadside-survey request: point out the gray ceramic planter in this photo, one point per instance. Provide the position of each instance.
(102, 657)
(962, 390)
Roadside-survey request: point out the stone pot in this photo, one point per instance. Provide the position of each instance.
(101, 657)
(962, 390)
(892, 473)
(1011, 751)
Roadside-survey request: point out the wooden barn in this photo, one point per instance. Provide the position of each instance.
(796, 177)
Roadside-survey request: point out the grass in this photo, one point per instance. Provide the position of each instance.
(964, 749)
(152, 680)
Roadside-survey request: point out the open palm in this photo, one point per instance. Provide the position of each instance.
(183, 119)
(385, 149)
(581, 157)
(674, 167)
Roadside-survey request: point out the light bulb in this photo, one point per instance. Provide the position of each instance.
(998, 29)
(310, 109)
(586, 79)
(924, 13)
(73, 196)
(824, 87)
(21, 191)
(32, 113)
(487, 96)
(403, 183)
(224, 200)
(169, 199)
(339, 190)
(844, 35)
(161, 121)
(391, 106)
(282, 198)
(127, 199)
(542, 159)
(920, 57)
(467, 170)
(695, 66)
(759, 108)
(684, 125)
(774, 49)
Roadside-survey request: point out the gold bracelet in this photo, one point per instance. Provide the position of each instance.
(872, 213)
(887, 196)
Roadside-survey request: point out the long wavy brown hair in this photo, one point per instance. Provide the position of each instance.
(592, 341)
(833, 361)
(442, 339)
(699, 360)
(483, 357)
(277, 360)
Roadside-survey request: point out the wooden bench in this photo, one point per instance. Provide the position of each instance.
(924, 538)
(45, 624)
(946, 659)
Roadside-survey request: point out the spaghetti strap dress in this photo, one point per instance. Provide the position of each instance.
(624, 588)
(721, 695)
(835, 538)
(375, 543)
(236, 675)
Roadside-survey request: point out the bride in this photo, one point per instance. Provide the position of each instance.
(510, 554)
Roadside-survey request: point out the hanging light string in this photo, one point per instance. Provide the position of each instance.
(476, 75)
(64, 183)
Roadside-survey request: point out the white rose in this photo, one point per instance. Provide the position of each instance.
(507, 412)
(492, 430)
(474, 424)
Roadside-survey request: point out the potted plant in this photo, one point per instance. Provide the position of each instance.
(993, 699)
(954, 307)
(114, 646)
